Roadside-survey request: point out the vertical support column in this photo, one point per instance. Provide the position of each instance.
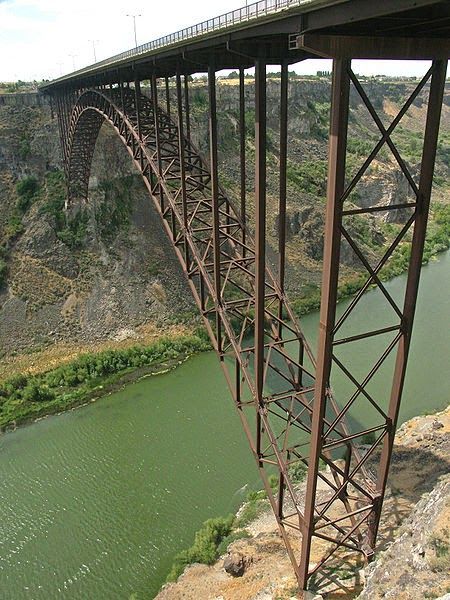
(335, 189)
(137, 104)
(242, 151)
(167, 95)
(412, 285)
(187, 108)
(181, 150)
(215, 197)
(62, 138)
(282, 198)
(122, 99)
(65, 121)
(282, 229)
(260, 235)
(154, 88)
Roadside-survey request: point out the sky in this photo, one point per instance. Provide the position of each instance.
(43, 39)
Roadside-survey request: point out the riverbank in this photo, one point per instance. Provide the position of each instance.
(28, 390)
(419, 476)
(26, 397)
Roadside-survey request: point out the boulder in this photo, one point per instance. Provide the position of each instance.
(235, 564)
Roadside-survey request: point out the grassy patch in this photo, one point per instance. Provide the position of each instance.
(26, 397)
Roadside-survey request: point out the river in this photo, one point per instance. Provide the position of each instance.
(94, 503)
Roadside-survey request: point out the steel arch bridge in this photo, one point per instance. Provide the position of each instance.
(281, 390)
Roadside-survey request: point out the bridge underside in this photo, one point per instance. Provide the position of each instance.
(281, 390)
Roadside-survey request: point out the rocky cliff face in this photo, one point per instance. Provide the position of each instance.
(119, 275)
(113, 270)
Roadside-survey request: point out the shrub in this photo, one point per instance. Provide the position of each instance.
(27, 189)
(205, 548)
(37, 393)
(233, 537)
(3, 272)
(297, 472)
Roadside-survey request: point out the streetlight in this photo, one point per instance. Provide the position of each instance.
(73, 60)
(93, 48)
(134, 25)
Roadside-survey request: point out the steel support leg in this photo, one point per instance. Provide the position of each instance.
(242, 137)
(181, 150)
(336, 180)
(137, 95)
(260, 236)
(282, 192)
(154, 91)
(187, 111)
(215, 197)
(423, 205)
(167, 95)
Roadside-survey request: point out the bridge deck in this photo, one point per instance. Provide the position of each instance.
(237, 38)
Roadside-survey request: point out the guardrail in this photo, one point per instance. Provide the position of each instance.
(235, 17)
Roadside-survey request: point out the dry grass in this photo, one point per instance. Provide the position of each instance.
(63, 353)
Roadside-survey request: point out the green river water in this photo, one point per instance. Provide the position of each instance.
(94, 503)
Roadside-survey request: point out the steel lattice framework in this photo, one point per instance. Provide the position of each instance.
(281, 391)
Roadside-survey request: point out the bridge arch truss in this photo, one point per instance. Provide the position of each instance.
(281, 391)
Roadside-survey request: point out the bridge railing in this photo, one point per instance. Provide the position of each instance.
(235, 17)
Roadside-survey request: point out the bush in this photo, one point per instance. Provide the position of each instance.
(37, 393)
(233, 537)
(27, 189)
(205, 548)
(3, 272)
(309, 176)
(297, 472)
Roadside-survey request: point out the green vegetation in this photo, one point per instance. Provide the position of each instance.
(24, 148)
(113, 214)
(27, 397)
(438, 240)
(27, 191)
(71, 231)
(214, 537)
(55, 198)
(205, 548)
(3, 272)
(320, 112)
(254, 505)
(309, 176)
(441, 547)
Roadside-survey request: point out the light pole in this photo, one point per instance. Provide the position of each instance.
(93, 48)
(134, 26)
(73, 60)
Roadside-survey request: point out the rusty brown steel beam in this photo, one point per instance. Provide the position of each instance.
(181, 149)
(335, 189)
(260, 235)
(215, 196)
(154, 93)
(425, 184)
(242, 153)
(166, 81)
(282, 190)
(378, 47)
(187, 111)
